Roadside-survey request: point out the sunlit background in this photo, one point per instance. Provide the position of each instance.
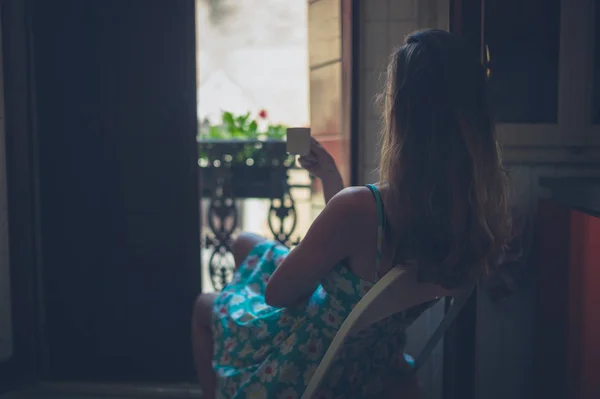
(252, 56)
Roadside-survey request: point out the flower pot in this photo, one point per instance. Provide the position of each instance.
(244, 168)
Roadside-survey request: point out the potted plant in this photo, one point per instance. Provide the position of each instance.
(243, 156)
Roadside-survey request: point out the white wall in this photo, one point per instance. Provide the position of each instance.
(383, 26)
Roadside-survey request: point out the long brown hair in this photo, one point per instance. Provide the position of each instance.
(441, 160)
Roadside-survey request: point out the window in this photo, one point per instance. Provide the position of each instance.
(523, 40)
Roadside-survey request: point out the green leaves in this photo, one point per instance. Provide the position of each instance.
(276, 132)
(253, 130)
(241, 127)
(215, 132)
(228, 119)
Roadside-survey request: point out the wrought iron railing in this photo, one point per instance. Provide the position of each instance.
(233, 170)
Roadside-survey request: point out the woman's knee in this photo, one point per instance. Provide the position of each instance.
(202, 314)
(243, 244)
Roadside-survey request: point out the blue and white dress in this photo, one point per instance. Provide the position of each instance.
(266, 352)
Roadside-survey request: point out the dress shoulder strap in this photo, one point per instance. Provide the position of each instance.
(380, 226)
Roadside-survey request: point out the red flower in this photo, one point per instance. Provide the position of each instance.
(262, 114)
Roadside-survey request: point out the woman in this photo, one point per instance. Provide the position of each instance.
(440, 211)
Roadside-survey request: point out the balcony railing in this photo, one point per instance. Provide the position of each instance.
(234, 170)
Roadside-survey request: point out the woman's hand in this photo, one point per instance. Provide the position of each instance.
(321, 164)
(318, 162)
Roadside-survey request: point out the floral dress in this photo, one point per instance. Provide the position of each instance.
(267, 352)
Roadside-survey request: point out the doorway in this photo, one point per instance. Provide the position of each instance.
(252, 83)
(264, 66)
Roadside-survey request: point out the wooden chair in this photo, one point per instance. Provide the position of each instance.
(387, 297)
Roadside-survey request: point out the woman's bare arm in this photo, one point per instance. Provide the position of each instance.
(334, 235)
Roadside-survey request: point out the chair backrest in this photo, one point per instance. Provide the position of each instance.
(393, 293)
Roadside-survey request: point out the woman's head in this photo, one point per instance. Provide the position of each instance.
(441, 160)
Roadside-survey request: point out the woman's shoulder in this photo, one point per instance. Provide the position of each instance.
(355, 200)
(354, 196)
(354, 213)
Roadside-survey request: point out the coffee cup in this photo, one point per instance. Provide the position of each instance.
(298, 140)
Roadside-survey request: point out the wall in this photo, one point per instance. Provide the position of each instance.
(383, 26)
(506, 341)
(505, 328)
(326, 71)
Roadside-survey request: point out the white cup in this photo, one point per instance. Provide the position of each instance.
(298, 140)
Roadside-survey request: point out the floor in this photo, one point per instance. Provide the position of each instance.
(105, 391)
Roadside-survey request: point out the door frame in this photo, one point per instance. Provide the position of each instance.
(351, 81)
(21, 168)
(459, 365)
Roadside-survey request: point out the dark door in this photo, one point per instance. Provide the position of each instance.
(460, 340)
(116, 122)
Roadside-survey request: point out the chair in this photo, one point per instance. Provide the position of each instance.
(390, 295)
